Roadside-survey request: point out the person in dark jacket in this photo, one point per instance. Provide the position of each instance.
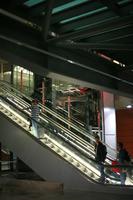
(100, 158)
(122, 161)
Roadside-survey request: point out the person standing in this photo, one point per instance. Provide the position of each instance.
(122, 159)
(35, 110)
(100, 157)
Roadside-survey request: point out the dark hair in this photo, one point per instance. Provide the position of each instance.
(97, 137)
(120, 144)
(35, 101)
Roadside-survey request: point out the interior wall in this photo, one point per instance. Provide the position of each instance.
(124, 126)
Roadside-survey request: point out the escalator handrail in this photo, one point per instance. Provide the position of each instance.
(93, 160)
(49, 110)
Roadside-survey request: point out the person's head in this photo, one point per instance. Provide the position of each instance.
(120, 145)
(34, 101)
(97, 138)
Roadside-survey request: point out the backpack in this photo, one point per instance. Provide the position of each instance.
(115, 169)
(126, 156)
(104, 152)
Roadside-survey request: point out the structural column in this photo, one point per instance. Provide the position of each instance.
(109, 121)
(38, 86)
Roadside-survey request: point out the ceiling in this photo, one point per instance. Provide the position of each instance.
(94, 35)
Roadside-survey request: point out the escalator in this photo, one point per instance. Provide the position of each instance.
(69, 128)
(57, 155)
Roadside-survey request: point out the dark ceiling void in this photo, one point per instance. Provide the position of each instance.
(73, 35)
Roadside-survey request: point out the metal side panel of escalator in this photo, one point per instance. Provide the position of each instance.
(45, 162)
(41, 159)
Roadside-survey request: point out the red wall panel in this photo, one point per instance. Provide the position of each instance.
(124, 127)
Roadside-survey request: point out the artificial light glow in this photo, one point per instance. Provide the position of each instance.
(53, 34)
(14, 112)
(116, 62)
(107, 109)
(7, 73)
(70, 61)
(25, 71)
(129, 106)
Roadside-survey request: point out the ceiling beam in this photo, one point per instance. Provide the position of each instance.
(13, 3)
(47, 19)
(85, 21)
(15, 7)
(111, 36)
(89, 75)
(100, 46)
(41, 7)
(20, 11)
(122, 56)
(104, 27)
(76, 11)
(91, 69)
(9, 28)
(18, 2)
(100, 16)
(19, 14)
(100, 66)
(112, 5)
(22, 56)
(130, 67)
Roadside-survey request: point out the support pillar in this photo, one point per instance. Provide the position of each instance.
(38, 87)
(47, 89)
(109, 121)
